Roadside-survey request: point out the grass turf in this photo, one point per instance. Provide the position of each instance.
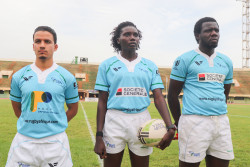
(82, 145)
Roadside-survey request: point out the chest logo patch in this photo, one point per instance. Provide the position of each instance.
(211, 77)
(131, 91)
(39, 97)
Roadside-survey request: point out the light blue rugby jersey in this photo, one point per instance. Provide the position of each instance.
(128, 83)
(204, 79)
(42, 95)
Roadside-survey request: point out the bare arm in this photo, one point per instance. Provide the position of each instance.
(17, 108)
(101, 110)
(162, 108)
(100, 148)
(72, 110)
(227, 88)
(174, 90)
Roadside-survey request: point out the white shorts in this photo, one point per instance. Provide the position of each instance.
(45, 152)
(121, 128)
(204, 135)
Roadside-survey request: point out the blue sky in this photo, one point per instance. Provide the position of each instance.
(83, 27)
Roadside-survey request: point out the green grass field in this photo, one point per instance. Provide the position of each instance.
(82, 145)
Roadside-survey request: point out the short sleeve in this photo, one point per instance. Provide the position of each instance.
(15, 92)
(101, 79)
(229, 77)
(71, 92)
(156, 80)
(179, 70)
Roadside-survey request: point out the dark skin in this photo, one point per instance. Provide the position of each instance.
(208, 37)
(129, 41)
(208, 41)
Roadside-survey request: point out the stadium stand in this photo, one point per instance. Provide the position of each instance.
(240, 90)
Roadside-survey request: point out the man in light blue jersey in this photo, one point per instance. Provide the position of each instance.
(205, 77)
(124, 82)
(38, 93)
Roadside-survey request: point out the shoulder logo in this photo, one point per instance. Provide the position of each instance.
(75, 85)
(177, 63)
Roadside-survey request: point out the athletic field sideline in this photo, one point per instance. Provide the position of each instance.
(82, 128)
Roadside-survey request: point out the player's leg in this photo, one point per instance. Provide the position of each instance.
(113, 160)
(185, 164)
(138, 161)
(216, 162)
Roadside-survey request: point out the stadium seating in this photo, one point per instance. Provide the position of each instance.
(242, 76)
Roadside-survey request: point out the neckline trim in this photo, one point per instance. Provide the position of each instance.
(129, 64)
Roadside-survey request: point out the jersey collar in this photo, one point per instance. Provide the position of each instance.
(42, 75)
(210, 59)
(129, 64)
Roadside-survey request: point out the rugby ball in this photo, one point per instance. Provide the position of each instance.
(151, 132)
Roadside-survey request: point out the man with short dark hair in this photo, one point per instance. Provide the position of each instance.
(38, 93)
(205, 77)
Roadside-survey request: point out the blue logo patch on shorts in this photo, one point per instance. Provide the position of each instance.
(20, 164)
(194, 154)
(109, 145)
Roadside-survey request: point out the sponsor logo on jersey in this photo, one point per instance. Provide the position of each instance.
(198, 62)
(211, 77)
(39, 97)
(131, 91)
(144, 70)
(202, 77)
(117, 68)
(56, 80)
(211, 99)
(27, 78)
(220, 65)
(41, 121)
(20, 164)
